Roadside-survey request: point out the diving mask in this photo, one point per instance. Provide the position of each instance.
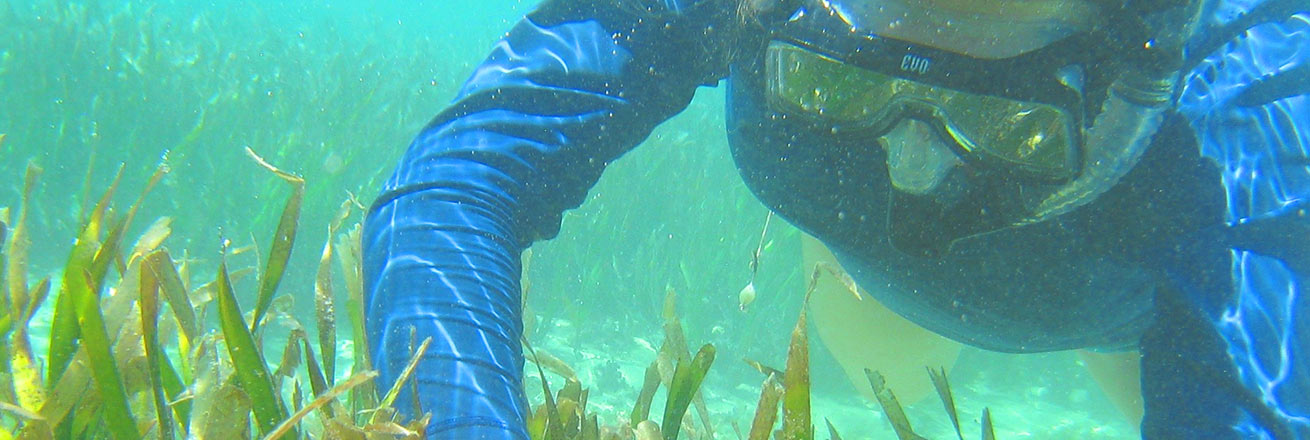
(1030, 125)
(1039, 134)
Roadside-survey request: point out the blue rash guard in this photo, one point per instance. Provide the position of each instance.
(1193, 258)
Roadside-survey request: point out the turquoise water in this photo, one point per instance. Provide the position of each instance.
(333, 91)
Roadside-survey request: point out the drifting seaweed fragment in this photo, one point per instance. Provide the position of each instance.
(674, 350)
(286, 368)
(755, 257)
(251, 371)
(796, 382)
(4, 269)
(154, 351)
(16, 246)
(651, 383)
(325, 316)
(571, 403)
(61, 399)
(19, 304)
(321, 401)
(550, 426)
(297, 396)
(896, 415)
(841, 276)
(763, 369)
(687, 378)
(525, 290)
(317, 384)
(151, 239)
(24, 370)
(404, 377)
(891, 407)
(832, 430)
(283, 239)
(591, 428)
(115, 234)
(179, 303)
(159, 267)
(325, 309)
(554, 365)
(414, 400)
(63, 325)
(20, 412)
(747, 294)
(564, 416)
(6, 313)
(948, 401)
(348, 255)
(766, 410)
(349, 258)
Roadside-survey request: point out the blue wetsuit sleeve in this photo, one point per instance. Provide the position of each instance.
(568, 90)
(1243, 368)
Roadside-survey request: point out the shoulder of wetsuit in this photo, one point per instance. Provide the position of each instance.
(1288, 83)
(692, 40)
(1287, 235)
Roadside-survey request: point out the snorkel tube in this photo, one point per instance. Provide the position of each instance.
(1135, 103)
(1131, 114)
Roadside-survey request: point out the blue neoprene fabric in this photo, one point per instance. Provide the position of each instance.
(577, 83)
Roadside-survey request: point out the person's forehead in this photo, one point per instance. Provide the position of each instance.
(982, 28)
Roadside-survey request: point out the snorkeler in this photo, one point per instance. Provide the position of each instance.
(1023, 175)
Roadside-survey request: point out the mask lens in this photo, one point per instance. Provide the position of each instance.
(807, 83)
(1033, 137)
